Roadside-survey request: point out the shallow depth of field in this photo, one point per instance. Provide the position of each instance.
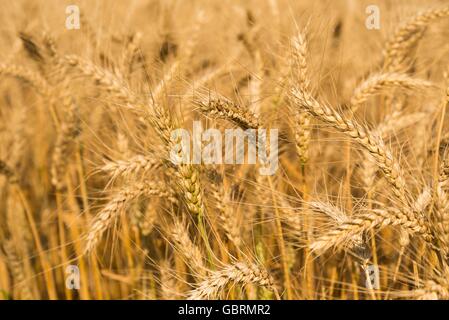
(91, 207)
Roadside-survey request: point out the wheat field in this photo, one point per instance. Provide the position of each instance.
(92, 207)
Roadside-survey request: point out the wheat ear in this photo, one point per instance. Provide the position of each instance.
(442, 204)
(240, 272)
(406, 36)
(222, 108)
(106, 217)
(301, 82)
(69, 131)
(369, 141)
(379, 83)
(188, 175)
(185, 246)
(374, 219)
(132, 166)
(28, 76)
(432, 290)
(109, 81)
(339, 218)
(17, 271)
(385, 161)
(394, 122)
(229, 223)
